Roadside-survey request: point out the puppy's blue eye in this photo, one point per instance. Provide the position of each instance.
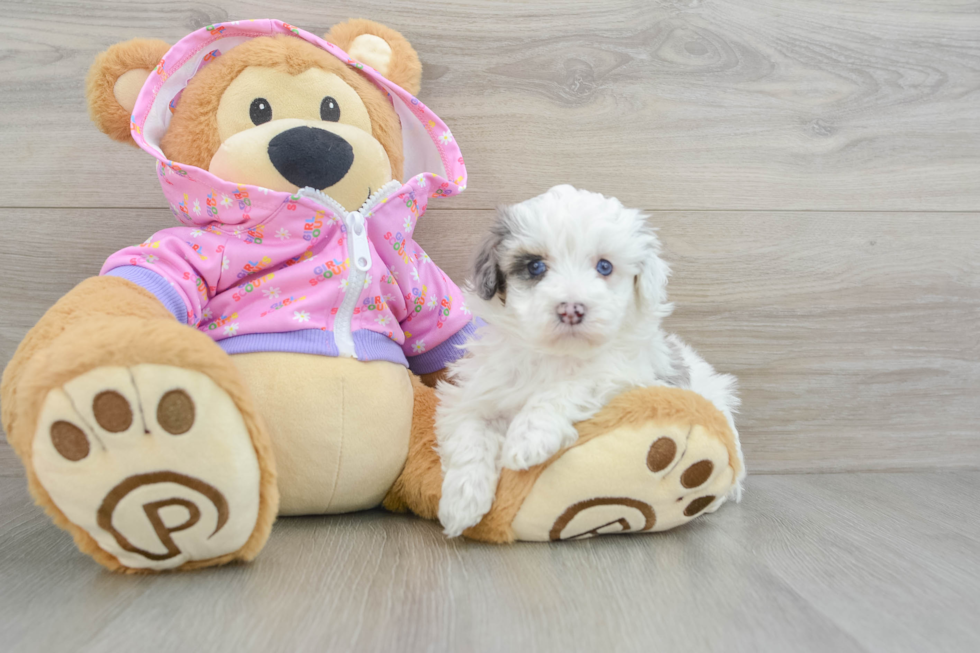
(537, 268)
(604, 267)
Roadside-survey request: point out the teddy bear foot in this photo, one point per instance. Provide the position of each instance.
(652, 460)
(154, 463)
(672, 474)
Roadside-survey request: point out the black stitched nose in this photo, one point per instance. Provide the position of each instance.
(571, 313)
(307, 156)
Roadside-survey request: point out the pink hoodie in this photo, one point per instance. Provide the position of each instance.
(263, 270)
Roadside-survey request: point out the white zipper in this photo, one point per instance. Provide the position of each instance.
(359, 253)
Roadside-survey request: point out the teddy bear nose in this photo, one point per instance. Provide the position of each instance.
(307, 156)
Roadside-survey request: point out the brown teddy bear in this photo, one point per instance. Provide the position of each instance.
(267, 355)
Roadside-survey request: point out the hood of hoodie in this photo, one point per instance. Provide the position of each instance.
(433, 162)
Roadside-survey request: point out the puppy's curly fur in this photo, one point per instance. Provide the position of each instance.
(540, 367)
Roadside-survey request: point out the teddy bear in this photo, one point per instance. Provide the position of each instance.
(274, 352)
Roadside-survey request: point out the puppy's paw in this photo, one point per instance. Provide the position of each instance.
(533, 437)
(467, 495)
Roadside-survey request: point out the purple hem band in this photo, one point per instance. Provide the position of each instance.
(156, 284)
(444, 353)
(368, 345)
(374, 346)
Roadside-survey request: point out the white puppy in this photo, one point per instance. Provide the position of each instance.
(573, 290)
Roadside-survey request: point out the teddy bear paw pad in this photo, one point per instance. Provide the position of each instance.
(652, 477)
(154, 462)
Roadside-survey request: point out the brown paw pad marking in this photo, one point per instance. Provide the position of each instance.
(175, 412)
(697, 474)
(661, 454)
(112, 411)
(69, 441)
(645, 509)
(698, 505)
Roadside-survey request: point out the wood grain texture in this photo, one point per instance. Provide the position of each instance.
(856, 562)
(9, 465)
(680, 104)
(854, 336)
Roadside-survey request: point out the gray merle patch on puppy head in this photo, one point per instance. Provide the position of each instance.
(520, 267)
(488, 277)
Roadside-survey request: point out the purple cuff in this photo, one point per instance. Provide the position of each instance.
(156, 284)
(445, 352)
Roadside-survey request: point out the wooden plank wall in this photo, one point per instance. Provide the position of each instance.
(814, 168)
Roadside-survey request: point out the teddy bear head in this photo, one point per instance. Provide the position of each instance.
(275, 111)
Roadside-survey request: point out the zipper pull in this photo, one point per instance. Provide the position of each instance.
(357, 232)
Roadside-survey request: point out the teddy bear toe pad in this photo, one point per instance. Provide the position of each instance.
(154, 462)
(651, 477)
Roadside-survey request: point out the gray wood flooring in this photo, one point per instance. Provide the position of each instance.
(837, 562)
(814, 168)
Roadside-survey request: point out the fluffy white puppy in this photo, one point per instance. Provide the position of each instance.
(573, 291)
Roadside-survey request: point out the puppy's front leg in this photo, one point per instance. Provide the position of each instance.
(470, 474)
(546, 424)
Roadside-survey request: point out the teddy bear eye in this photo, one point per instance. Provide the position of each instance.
(260, 111)
(329, 109)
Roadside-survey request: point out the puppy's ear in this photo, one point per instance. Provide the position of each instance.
(114, 81)
(382, 48)
(488, 276)
(651, 282)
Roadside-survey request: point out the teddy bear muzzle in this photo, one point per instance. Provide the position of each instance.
(345, 162)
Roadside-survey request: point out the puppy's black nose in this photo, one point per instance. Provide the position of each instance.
(307, 156)
(571, 313)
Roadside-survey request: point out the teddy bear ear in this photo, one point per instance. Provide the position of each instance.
(114, 81)
(382, 48)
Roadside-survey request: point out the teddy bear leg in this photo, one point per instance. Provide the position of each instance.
(137, 435)
(652, 460)
(419, 486)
